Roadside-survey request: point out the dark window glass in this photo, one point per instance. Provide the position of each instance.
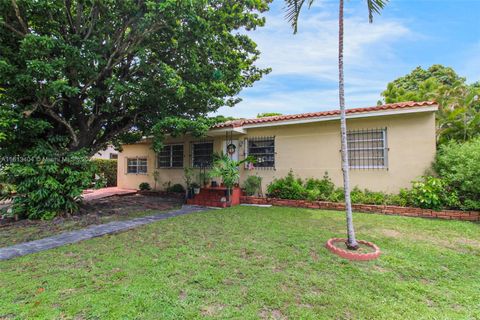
(202, 154)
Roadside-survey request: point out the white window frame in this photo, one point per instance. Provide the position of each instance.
(192, 152)
(137, 165)
(384, 148)
(158, 166)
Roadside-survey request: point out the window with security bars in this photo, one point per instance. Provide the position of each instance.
(202, 154)
(137, 165)
(171, 156)
(367, 149)
(262, 149)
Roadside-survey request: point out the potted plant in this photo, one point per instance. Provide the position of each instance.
(228, 170)
(196, 187)
(188, 176)
(204, 178)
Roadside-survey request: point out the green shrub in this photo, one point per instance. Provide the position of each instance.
(337, 195)
(369, 197)
(432, 193)
(176, 188)
(107, 169)
(144, 186)
(459, 166)
(253, 185)
(401, 199)
(320, 189)
(50, 184)
(313, 194)
(289, 187)
(429, 192)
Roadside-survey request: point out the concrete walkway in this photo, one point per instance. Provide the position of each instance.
(88, 233)
(106, 192)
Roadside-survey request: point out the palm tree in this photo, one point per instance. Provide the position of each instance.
(293, 11)
(227, 169)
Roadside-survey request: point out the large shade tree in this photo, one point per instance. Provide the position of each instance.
(76, 75)
(458, 117)
(92, 70)
(374, 7)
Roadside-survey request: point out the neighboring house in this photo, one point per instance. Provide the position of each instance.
(389, 146)
(108, 153)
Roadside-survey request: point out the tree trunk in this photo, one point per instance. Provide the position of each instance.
(351, 242)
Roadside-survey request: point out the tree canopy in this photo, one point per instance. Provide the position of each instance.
(93, 71)
(420, 83)
(268, 114)
(458, 117)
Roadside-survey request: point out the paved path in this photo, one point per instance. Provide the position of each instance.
(106, 192)
(88, 233)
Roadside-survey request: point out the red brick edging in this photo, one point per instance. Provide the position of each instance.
(353, 255)
(380, 209)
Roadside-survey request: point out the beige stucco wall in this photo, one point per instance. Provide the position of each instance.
(312, 149)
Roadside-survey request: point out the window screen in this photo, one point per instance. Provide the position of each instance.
(263, 150)
(367, 149)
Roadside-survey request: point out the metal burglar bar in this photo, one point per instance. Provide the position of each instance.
(263, 150)
(367, 149)
(201, 154)
(171, 156)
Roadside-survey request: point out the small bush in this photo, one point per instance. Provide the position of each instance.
(253, 185)
(320, 189)
(50, 185)
(337, 195)
(107, 169)
(144, 186)
(432, 193)
(401, 199)
(369, 197)
(176, 188)
(289, 187)
(428, 192)
(458, 164)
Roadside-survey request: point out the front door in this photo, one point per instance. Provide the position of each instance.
(230, 147)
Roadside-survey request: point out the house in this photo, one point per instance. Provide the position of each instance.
(108, 153)
(389, 146)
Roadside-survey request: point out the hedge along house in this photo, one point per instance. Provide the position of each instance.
(389, 146)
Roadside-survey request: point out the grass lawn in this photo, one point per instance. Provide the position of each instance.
(253, 263)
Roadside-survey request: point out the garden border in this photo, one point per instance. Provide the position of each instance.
(369, 208)
(353, 255)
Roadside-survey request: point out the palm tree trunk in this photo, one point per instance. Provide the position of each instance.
(351, 242)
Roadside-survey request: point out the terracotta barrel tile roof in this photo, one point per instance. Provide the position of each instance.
(391, 106)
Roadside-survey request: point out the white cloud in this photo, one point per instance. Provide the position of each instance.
(313, 51)
(299, 101)
(310, 57)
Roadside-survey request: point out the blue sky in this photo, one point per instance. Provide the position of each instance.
(409, 33)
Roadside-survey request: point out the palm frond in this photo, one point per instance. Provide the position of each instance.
(375, 7)
(292, 9)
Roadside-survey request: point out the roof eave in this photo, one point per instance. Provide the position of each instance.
(431, 108)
